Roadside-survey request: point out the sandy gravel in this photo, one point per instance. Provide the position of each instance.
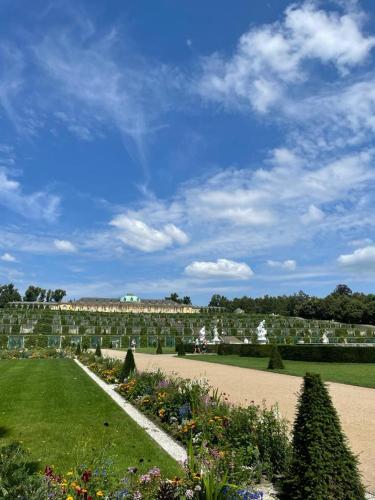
(356, 405)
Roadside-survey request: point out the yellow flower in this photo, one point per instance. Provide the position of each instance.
(99, 493)
(69, 497)
(69, 473)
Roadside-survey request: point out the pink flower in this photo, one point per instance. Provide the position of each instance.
(146, 478)
(154, 472)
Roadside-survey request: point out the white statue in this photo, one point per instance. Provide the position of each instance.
(245, 340)
(261, 333)
(325, 339)
(216, 339)
(202, 334)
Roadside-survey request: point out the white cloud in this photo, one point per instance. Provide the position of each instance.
(64, 246)
(314, 214)
(36, 205)
(272, 56)
(289, 265)
(137, 234)
(361, 259)
(221, 269)
(361, 242)
(7, 257)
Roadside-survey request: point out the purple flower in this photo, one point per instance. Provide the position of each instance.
(163, 384)
(154, 472)
(146, 478)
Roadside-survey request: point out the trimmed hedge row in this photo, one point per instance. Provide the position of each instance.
(327, 353)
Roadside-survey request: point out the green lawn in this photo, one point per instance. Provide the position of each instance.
(65, 419)
(362, 374)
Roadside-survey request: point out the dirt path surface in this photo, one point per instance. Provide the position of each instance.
(355, 405)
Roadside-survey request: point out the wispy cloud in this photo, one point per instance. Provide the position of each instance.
(289, 264)
(39, 205)
(65, 246)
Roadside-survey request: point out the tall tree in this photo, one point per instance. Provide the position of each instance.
(32, 293)
(8, 293)
(342, 289)
(186, 300)
(42, 295)
(173, 297)
(58, 295)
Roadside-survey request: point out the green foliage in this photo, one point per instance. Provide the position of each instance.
(98, 351)
(78, 349)
(180, 349)
(8, 293)
(276, 361)
(323, 467)
(159, 349)
(128, 367)
(17, 475)
(245, 443)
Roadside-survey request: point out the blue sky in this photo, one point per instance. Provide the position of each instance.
(196, 147)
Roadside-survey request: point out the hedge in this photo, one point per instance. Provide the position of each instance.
(327, 353)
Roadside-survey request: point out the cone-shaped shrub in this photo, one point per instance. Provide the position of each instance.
(128, 367)
(181, 349)
(159, 349)
(98, 351)
(78, 349)
(276, 361)
(323, 467)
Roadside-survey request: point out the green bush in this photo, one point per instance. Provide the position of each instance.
(276, 361)
(128, 367)
(180, 349)
(78, 349)
(159, 349)
(322, 467)
(18, 478)
(98, 351)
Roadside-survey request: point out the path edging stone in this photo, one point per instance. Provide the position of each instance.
(169, 445)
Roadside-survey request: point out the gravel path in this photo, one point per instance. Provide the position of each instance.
(355, 405)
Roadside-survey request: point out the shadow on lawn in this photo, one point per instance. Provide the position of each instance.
(4, 431)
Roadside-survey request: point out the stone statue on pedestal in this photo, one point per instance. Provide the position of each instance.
(262, 333)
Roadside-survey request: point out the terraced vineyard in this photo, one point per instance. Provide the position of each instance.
(43, 327)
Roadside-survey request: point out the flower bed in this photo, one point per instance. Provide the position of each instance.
(235, 445)
(36, 353)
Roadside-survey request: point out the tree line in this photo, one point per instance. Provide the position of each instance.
(341, 305)
(9, 293)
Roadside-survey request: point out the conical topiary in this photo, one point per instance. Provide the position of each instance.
(98, 351)
(128, 367)
(322, 467)
(276, 361)
(159, 349)
(78, 349)
(181, 349)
